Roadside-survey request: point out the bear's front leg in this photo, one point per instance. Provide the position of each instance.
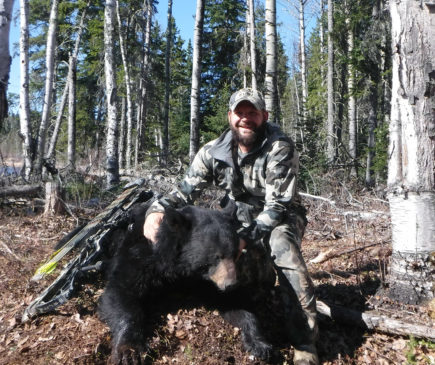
(253, 340)
(125, 317)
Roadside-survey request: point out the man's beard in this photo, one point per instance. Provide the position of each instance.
(250, 140)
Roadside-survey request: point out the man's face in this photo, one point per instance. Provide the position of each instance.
(247, 123)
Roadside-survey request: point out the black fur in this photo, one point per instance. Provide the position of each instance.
(193, 244)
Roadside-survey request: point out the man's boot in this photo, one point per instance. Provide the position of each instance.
(302, 315)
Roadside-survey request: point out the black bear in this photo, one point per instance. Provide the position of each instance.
(196, 247)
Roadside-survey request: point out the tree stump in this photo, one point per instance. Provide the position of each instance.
(54, 202)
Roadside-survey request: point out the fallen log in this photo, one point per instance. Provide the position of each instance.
(330, 253)
(375, 321)
(20, 191)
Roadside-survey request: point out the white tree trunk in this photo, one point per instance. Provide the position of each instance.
(330, 135)
(165, 150)
(303, 61)
(271, 97)
(352, 102)
(5, 58)
(411, 181)
(196, 80)
(54, 200)
(142, 107)
(159, 141)
(121, 139)
(129, 143)
(53, 140)
(49, 78)
(25, 130)
(372, 124)
(71, 150)
(252, 44)
(322, 41)
(244, 59)
(112, 165)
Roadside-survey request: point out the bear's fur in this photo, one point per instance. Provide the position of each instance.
(196, 248)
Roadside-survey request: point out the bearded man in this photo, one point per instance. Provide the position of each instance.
(257, 166)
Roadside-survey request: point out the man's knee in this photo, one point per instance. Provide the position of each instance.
(285, 247)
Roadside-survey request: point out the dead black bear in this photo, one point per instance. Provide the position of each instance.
(196, 248)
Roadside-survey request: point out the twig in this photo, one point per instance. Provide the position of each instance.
(8, 250)
(305, 195)
(377, 353)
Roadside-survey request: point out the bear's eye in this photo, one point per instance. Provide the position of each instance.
(218, 257)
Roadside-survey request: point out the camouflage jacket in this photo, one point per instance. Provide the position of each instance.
(262, 182)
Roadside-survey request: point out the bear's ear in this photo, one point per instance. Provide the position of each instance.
(177, 222)
(230, 209)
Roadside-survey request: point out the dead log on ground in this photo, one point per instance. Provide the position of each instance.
(330, 253)
(375, 321)
(21, 191)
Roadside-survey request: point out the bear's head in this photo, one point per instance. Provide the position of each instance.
(199, 241)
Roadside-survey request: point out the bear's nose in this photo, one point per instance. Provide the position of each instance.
(225, 274)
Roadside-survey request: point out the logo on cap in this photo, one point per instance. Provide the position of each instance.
(247, 94)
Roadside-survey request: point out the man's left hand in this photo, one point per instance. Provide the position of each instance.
(242, 248)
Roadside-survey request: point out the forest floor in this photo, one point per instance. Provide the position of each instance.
(75, 335)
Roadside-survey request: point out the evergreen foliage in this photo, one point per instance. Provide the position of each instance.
(223, 69)
(370, 59)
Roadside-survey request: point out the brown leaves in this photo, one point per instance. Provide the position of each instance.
(74, 334)
(185, 323)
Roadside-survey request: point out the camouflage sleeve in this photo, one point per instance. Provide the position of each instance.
(281, 178)
(198, 175)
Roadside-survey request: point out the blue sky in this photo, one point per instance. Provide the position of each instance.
(182, 10)
(184, 13)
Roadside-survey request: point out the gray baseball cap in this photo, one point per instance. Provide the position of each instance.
(247, 94)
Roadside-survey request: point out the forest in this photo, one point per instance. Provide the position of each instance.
(108, 94)
(153, 77)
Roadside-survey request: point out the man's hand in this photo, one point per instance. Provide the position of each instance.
(242, 246)
(151, 226)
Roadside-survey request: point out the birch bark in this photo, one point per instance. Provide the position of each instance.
(330, 136)
(303, 61)
(196, 80)
(5, 58)
(165, 150)
(49, 77)
(411, 180)
(129, 145)
(271, 97)
(71, 150)
(352, 101)
(65, 95)
(252, 47)
(25, 129)
(112, 164)
(142, 107)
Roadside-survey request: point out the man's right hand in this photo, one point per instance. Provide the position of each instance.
(151, 226)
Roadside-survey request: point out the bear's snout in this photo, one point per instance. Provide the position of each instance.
(224, 274)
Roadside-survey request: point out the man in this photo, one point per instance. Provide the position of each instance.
(257, 165)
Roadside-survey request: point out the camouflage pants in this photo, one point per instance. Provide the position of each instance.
(284, 243)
